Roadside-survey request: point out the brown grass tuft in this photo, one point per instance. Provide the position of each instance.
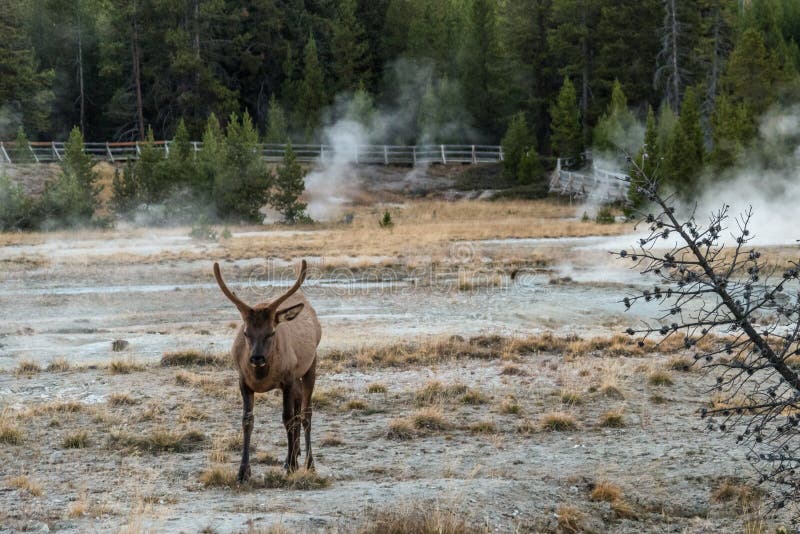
(558, 422)
(331, 440)
(659, 377)
(605, 491)
(22, 482)
(430, 418)
(513, 370)
(121, 399)
(510, 406)
(124, 367)
(736, 492)
(76, 440)
(218, 476)
(401, 429)
(624, 510)
(10, 433)
(355, 404)
(680, 363)
(158, 441)
(613, 419)
(434, 392)
(483, 427)
(58, 365)
(376, 388)
(421, 518)
(474, 398)
(192, 357)
(27, 367)
(571, 397)
(570, 519)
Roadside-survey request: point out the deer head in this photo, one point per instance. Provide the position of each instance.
(260, 321)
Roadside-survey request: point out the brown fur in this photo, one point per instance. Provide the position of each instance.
(276, 347)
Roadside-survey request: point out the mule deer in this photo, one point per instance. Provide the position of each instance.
(277, 348)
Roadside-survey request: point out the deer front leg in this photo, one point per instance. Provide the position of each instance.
(247, 429)
(305, 411)
(291, 421)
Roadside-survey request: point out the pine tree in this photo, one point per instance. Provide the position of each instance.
(566, 139)
(277, 129)
(25, 90)
(615, 130)
(22, 148)
(480, 59)
(348, 48)
(679, 37)
(665, 126)
(180, 166)
(732, 128)
(752, 73)
(17, 210)
(361, 108)
(312, 97)
(516, 143)
(241, 185)
(288, 185)
(211, 159)
(153, 185)
(72, 198)
(572, 40)
(686, 154)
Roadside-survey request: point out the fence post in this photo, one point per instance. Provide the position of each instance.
(138, 151)
(195, 148)
(55, 150)
(474, 157)
(108, 151)
(385, 156)
(5, 154)
(35, 157)
(166, 148)
(444, 159)
(500, 152)
(322, 153)
(414, 154)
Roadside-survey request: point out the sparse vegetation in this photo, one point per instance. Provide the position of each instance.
(419, 519)
(28, 367)
(429, 418)
(659, 377)
(558, 422)
(58, 365)
(76, 440)
(124, 367)
(613, 419)
(22, 482)
(158, 441)
(121, 399)
(571, 397)
(605, 491)
(192, 357)
(377, 388)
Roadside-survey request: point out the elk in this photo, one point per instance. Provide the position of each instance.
(274, 348)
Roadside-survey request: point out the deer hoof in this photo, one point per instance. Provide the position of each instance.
(244, 474)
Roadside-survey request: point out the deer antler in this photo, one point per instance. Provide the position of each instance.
(244, 308)
(278, 301)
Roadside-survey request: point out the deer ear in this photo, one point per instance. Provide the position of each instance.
(289, 313)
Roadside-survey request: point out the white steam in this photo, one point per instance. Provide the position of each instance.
(769, 182)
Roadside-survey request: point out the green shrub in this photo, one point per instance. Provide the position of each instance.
(18, 211)
(288, 184)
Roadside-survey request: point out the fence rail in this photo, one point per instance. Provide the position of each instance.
(48, 152)
(593, 182)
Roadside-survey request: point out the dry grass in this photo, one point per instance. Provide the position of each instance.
(193, 357)
(24, 483)
(483, 427)
(331, 440)
(510, 406)
(558, 422)
(218, 476)
(571, 397)
(659, 377)
(419, 519)
(513, 370)
(624, 510)
(434, 392)
(10, 433)
(189, 412)
(401, 429)
(613, 419)
(473, 397)
(158, 441)
(680, 363)
(355, 404)
(377, 388)
(429, 418)
(733, 491)
(27, 367)
(52, 408)
(76, 440)
(570, 519)
(605, 491)
(58, 365)
(124, 366)
(327, 397)
(121, 399)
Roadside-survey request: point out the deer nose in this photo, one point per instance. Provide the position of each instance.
(258, 360)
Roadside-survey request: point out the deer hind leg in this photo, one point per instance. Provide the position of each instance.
(247, 429)
(305, 410)
(291, 421)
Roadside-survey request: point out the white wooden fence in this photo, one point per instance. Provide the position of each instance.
(44, 152)
(593, 182)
